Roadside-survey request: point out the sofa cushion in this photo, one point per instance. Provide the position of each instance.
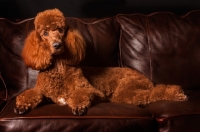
(102, 48)
(163, 46)
(12, 68)
(102, 38)
(102, 117)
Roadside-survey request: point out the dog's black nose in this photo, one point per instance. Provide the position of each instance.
(57, 45)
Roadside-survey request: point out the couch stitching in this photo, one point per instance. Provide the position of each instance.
(149, 48)
(93, 38)
(6, 90)
(120, 46)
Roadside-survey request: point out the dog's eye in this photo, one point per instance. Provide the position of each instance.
(60, 30)
(45, 33)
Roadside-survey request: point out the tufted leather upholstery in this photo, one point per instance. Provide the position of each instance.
(162, 46)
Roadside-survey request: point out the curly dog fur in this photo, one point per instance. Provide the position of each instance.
(55, 51)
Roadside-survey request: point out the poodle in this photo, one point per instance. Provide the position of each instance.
(56, 50)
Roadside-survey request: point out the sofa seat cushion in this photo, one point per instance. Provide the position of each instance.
(174, 115)
(101, 117)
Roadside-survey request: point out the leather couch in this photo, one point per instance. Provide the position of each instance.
(163, 46)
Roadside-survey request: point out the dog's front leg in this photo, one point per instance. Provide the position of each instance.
(82, 98)
(27, 100)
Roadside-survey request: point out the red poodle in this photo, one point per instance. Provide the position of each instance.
(56, 51)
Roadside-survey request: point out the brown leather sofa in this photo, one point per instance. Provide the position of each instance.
(163, 46)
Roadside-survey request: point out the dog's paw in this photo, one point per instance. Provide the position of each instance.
(79, 110)
(21, 110)
(78, 106)
(181, 97)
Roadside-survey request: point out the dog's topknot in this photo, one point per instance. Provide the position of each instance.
(49, 19)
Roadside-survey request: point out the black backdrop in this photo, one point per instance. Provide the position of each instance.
(21, 9)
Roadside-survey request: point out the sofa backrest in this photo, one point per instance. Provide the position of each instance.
(162, 46)
(101, 36)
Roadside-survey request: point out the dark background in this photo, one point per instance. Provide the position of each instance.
(21, 9)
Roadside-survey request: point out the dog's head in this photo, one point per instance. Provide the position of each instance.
(51, 40)
(50, 25)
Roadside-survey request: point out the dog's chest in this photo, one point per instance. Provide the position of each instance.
(60, 67)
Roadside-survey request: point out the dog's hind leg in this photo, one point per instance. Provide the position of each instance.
(143, 97)
(132, 91)
(167, 92)
(138, 97)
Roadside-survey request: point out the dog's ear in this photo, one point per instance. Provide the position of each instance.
(75, 47)
(35, 53)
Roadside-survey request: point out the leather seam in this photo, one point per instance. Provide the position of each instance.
(93, 38)
(149, 48)
(6, 90)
